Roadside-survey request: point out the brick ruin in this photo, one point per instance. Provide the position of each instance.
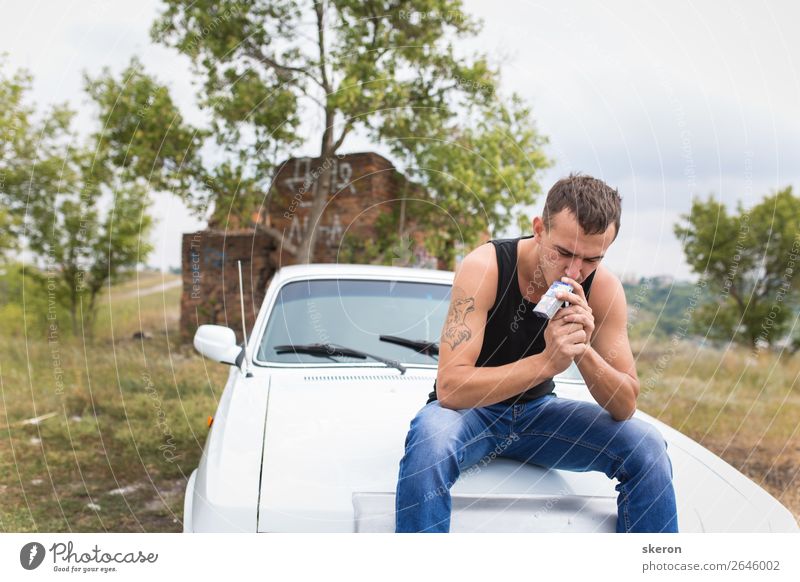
(365, 186)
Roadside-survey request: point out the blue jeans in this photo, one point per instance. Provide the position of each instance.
(551, 432)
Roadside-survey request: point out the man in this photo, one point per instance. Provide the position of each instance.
(497, 360)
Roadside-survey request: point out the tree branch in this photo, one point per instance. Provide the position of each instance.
(347, 127)
(279, 238)
(320, 10)
(284, 72)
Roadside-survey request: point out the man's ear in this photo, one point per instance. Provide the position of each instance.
(538, 226)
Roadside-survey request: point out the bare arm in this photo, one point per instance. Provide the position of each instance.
(459, 383)
(607, 365)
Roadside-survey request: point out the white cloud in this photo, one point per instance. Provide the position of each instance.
(663, 100)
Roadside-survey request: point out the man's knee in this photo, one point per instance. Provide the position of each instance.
(645, 448)
(434, 432)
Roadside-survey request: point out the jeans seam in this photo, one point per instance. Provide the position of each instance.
(574, 442)
(625, 513)
(475, 440)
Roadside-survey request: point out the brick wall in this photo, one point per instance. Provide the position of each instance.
(365, 186)
(211, 278)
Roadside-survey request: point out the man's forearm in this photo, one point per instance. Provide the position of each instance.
(470, 387)
(613, 390)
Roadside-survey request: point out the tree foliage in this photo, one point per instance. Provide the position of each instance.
(278, 74)
(69, 201)
(32, 146)
(751, 261)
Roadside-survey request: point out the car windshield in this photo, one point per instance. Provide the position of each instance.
(353, 314)
(571, 374)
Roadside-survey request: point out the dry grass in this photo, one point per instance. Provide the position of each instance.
(104, 463)
(745, 410)
(128, 429)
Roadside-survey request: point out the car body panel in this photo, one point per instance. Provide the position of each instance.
(319, 477)
(316, 447)
(227, 483)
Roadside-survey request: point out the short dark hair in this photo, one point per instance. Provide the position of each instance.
(595, 204)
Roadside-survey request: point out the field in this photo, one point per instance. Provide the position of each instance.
(102, 434)
(747, 413)
(112, 443)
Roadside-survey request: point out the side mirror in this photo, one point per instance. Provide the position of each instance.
(218, 343)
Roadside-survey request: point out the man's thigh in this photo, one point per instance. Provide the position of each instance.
(561, 433)
(438, 432)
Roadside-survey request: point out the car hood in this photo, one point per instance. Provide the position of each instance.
(334, 440)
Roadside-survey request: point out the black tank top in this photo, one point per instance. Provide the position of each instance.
(513, 331)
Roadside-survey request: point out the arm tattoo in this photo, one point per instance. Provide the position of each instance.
(456, 330)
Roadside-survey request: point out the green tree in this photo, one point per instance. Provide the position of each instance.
(90, 236)
(142, 135)
(31, 148)
(750, 260)
(270, 70)
(82, 215)
(145, 137)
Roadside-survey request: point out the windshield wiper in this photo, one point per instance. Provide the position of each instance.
(332, 350)
(421, 346)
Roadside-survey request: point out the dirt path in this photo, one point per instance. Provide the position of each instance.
(149, 290)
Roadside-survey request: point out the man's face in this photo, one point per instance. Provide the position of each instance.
(565, 250)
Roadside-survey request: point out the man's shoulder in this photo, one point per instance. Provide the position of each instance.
(604, 276)
(483, 256)
(606, 290)
(477, 273)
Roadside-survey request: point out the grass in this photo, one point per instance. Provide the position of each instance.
(130, 416)
(744, 409)
(129, 423)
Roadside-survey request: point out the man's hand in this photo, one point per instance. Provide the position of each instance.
(578, 311)
(564, 341)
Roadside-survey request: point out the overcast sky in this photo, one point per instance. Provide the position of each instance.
(663, 100)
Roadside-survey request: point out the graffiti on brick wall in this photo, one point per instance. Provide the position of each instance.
(302, 178)
(213, 257)
(330, 234)
(300, 182)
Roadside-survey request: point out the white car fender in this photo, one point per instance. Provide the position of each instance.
(226, 488)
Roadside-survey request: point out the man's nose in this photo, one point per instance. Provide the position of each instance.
(574, 269)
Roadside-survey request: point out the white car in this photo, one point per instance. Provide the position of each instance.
(311, 426)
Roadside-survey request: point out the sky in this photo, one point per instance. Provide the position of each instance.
(662, 100)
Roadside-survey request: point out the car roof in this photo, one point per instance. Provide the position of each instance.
(346, 270)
